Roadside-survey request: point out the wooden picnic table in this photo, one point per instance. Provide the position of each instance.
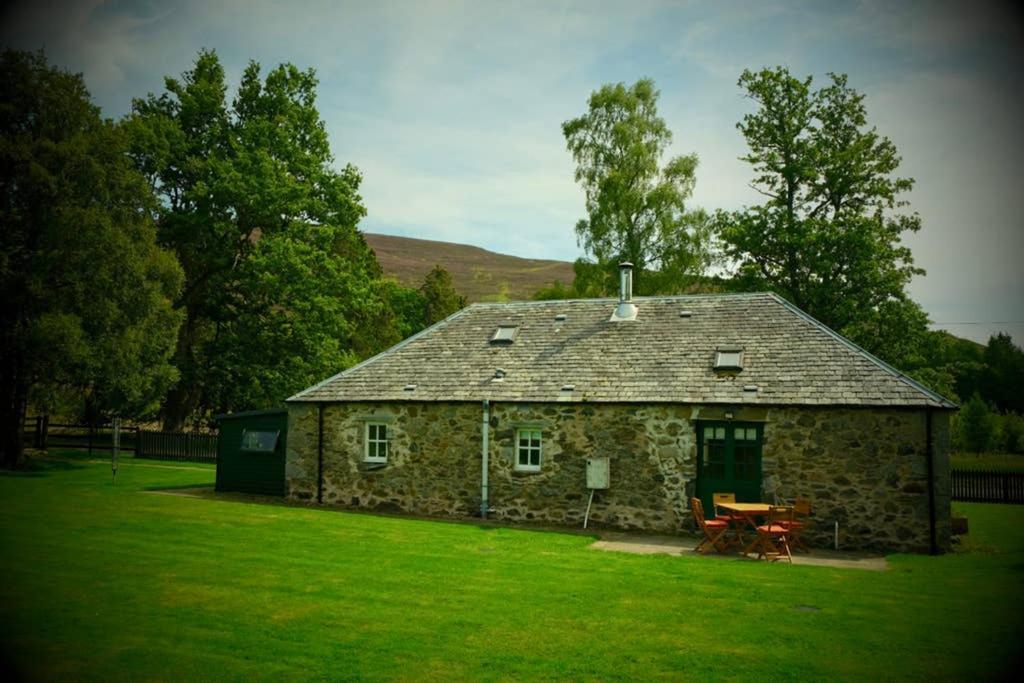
(749, 512)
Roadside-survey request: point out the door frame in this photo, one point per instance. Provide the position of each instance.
(730, 453)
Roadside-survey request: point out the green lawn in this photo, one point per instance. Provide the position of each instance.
(1007, 462)
(104, 581)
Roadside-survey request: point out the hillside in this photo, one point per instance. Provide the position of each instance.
(478, 274)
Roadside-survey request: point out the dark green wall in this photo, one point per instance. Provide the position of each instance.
(245, 471)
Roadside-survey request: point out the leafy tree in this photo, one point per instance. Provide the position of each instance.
(827, 236)
(1003, 378)
(279, 285)
(976, 426)
(636, 206)
(87, 294)
(439, 295)
(409, 307)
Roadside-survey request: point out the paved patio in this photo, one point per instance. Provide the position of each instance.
(682, 546)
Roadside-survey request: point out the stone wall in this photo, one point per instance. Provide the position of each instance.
(864, 468)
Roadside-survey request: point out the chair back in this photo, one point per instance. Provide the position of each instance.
(802, 507)
(719, 498)
(698, 511)
(780, 513)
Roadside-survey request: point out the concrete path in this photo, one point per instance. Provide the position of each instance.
(677, 545)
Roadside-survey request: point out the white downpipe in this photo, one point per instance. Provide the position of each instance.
(485, 425)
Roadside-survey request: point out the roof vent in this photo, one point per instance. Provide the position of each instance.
(560, 318)
(626, 310)
(499, 375)
(750, 388)
(685, 314)
(409, 387)
(568, 387)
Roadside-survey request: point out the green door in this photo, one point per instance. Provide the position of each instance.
(729, 462)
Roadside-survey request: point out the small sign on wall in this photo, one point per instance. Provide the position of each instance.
(598, 476)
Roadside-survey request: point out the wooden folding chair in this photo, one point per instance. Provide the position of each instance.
(737, 522)
(801, 518)
(773, 536)
(714, 529)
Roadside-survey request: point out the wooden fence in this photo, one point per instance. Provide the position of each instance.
(987, 486)
(182, 446)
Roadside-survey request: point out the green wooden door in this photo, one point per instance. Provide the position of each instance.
(729, 462)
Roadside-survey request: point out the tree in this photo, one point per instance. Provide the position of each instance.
(278, 281)
(87, 294)
(976, 425)
(636, 207)
(1003, 377)
(827, 236)
(439, 295)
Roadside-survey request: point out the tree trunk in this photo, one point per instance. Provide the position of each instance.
(182, 399)
(12, 419)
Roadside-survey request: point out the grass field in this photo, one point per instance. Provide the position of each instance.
(109, 581)
(1006, 462)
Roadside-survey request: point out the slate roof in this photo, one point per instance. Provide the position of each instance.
(660, 357)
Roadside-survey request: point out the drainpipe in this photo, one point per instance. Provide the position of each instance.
(485, 424)
(320, 453)
(930, 454)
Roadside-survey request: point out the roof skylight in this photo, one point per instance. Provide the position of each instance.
(729, 359)
(505, 334)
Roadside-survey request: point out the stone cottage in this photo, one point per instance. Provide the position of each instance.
(497, 410)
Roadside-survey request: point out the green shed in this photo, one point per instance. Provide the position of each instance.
(250, 451)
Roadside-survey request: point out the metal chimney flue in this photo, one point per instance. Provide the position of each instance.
(626, 310)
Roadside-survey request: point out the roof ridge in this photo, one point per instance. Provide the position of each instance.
(655, 297)
(853, 346)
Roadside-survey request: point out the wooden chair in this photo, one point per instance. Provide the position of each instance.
(737, 522)
(773, 536)
(801, 518)
(714, 529)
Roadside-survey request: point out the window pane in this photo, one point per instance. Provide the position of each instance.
(714, 460)
(524, 441)
(382, 432)
(745, 461)
(259, 441)
(382, 450)
(751, 434)
(719, 432)
(709, 432)
(371, 449)
(535, 458)
(739, 433)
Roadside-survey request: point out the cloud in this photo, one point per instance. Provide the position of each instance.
(453, 109)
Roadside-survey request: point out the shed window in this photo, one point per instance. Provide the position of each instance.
(505, 334)
(528, 447)
(255, 441)
(729, 359)
(376, 442)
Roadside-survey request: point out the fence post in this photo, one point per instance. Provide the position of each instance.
(43, 440)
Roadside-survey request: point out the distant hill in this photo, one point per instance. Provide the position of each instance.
(478, 274)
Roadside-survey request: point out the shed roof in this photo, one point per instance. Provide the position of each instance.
(660, 357)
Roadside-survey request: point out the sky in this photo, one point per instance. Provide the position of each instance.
(453, 110)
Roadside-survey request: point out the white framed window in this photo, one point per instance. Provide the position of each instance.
(528, 448)
(376, 442)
